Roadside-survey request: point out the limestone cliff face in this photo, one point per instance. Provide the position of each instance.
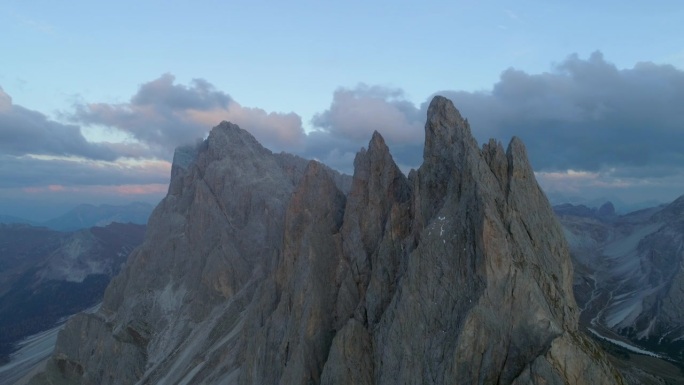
(262, 269)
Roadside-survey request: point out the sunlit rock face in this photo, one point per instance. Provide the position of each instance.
(263, 268)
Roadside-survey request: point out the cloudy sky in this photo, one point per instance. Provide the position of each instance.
(94, 97)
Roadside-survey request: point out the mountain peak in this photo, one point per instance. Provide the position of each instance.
(443, 108)
(228, 138)
(606, 210)
(376, 140)
(518, 162)
(445, 128)
(259, 270)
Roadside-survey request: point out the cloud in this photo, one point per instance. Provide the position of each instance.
(45, 160)
(334, 151)
(586, 115)
(353, 115)
(164, 115)
(29, 171)
(618, 129)
(23, 131)
(120, 190)
(589, 128)
(356, 113)
(627, 192)
(47, 167)
(46, 202)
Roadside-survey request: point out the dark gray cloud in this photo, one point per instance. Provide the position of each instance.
(164, 115)
(586, 115)
(589, 127)
(23, 131)
(355, 113)
(162, 93)
(46, 164)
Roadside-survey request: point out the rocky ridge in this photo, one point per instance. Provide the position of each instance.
(260, 268)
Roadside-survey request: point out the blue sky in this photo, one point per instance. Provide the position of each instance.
(97, 95)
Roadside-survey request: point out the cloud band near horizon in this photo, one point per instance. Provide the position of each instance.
(589, 128)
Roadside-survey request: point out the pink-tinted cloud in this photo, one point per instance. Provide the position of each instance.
(56, 187)
(120, 190)
(573, 181)
(144, 189)
(164, 115)
(29, 172)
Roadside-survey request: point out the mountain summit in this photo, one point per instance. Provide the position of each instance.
(262, 268)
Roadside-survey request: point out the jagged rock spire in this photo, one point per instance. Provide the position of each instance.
(259, 270)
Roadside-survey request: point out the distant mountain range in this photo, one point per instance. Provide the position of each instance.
(46, 275)
(7, 219)
(86, 215)
(621, 207)
(629, 274)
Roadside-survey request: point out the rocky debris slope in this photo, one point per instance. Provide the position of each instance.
(260, 268)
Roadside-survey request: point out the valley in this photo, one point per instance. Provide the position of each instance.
(628, 269)
(47, 276)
